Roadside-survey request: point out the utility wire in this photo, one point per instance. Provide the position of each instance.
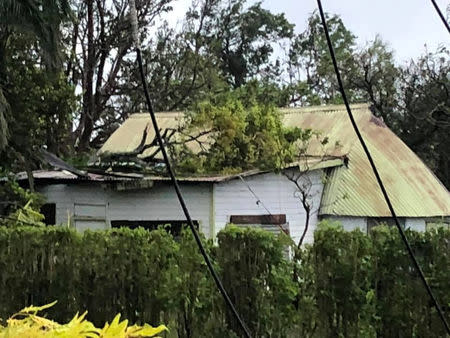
(438, 10)
(375, 171)
(260, 202)
(171, 173)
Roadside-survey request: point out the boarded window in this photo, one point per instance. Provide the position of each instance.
(172, 226)
(90, 216)
(272, 223)
(49, 212)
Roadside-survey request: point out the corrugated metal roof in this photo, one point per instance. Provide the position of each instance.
(64, 175)
(350, 190)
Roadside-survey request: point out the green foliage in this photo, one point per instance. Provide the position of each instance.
(348, 284)
(243, 134)
(33, 326)
(41, 106)
(19, 206)
(257, 275)
(37, 18)
(309, 52)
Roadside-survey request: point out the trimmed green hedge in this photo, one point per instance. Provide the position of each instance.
(349, 285)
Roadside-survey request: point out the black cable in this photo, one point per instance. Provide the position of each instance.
(174, 180)
(375, 171)
(441, 15)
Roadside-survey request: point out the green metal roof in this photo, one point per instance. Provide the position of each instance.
(352, 190)
(349, 190)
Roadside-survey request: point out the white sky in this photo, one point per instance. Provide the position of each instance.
(407, 25)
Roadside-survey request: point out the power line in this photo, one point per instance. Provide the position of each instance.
(375, 171)
(438, 10)
(134, 27)
(260, 202)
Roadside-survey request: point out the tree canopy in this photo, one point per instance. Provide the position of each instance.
(230, 64)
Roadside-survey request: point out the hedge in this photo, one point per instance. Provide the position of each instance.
(349, 284)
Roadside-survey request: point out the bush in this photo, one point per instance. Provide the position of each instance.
(347, 285)
(26, 323)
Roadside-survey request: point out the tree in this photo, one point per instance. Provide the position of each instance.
(242, 38)
(41, 107)
(308, 56)
(102, 30)
(424, 110)
(375, 80)
(243, 134)
(38, 18)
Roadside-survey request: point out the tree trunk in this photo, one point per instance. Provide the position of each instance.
(88, 99)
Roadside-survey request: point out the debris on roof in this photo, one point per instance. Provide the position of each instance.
(351, 189)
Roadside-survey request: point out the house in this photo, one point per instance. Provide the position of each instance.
(341, 185)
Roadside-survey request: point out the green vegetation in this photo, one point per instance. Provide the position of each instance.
(222, 49)
(26, 323)
(349, 284)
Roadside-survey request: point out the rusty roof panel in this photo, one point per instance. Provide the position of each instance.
(353, 190)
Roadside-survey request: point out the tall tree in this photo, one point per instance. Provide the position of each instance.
(242, 38)
(424, 110)
(100, 43)
(38, 18)
(309, 62)
(41, 107)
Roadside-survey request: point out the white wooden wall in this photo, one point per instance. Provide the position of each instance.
(417, 224)
(350, 222)
(278, 195)
(211, 204)
(161, 203)
(156, 203)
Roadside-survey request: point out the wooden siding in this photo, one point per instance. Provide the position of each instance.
(156, 203)
(161, 203)
(66, 196)
(276, 193)
(350, 223)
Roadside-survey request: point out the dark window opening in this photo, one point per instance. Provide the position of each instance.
(173, 227)
(49, 212)
(258, 219)
(375, 221)
(273, 223)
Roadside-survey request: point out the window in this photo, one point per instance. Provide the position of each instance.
(172, 226)
(49, 212)
(272, 223)
(89, 216)
(389, 221)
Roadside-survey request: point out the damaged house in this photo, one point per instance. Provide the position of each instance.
(340, 186)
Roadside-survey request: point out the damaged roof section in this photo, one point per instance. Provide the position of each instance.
(350, 190)
(61, 175)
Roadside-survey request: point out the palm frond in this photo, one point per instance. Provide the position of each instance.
(41, 18)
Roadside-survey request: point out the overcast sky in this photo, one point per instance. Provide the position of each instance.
(408, 25)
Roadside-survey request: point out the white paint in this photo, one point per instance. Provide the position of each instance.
(416, 224)
(94, 206)
(350, 223)
(66, 196)
(161, 203)
(157, 203)
(276, 193)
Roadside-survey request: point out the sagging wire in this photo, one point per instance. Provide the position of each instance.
(229, 303)
(375, 171)
(438, 10)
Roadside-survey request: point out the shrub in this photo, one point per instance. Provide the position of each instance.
(26, 323)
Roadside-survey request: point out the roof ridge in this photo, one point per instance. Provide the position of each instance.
(284, 110)
(324, 108)
(161, 114)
